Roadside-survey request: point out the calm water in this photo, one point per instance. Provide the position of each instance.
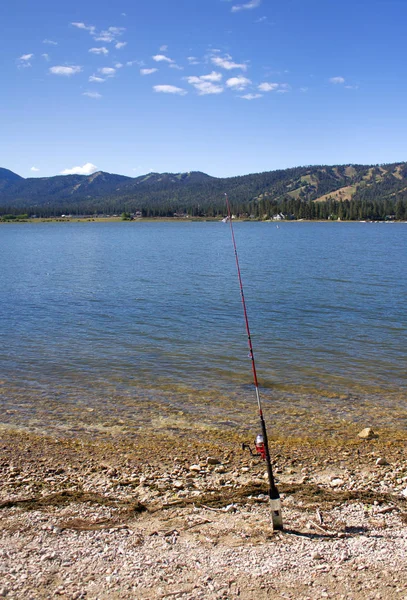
(106, 325)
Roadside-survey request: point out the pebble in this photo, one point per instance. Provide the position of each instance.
(152, 555)
(211, 460)
(382, 462)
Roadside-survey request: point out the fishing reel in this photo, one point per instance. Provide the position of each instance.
(259, 446)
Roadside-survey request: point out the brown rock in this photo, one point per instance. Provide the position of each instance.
(211, 460)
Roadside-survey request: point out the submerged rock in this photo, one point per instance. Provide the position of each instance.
(367, 434)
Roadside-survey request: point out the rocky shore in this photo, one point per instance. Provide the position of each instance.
(174, 517)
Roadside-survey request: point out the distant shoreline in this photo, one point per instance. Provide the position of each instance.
(179, 220)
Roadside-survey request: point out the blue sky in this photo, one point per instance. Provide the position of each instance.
(227, 87)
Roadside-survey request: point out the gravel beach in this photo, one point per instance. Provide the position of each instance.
(184, 518)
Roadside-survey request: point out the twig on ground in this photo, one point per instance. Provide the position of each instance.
(322, 529)
(221, 510)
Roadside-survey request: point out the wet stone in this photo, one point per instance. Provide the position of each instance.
(367, 434)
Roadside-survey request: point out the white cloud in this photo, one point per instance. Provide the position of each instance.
(50, 42)
(251, 96)
(214, 76)
(337, 80)
(120, 45)
(65, 71)
(162, 58)
(193, 60)
(102, 50)
(110, 34)
(117, 30)
(90, 28)
(248, 6)
(105, 36)
(170, 89)
(280, 88)
(95, 79)
(238, 83)
(268, 87)
(108, 71)
(206, 87)
(148, 71)
(119, 65)
(206, 84)
(87, 169)
(92, 94)
(227, 63)
(45, 56)
(34, 169)
(163, 48)
(24, 61)
(261, 20)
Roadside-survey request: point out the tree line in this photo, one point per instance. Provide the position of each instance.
(263, 209)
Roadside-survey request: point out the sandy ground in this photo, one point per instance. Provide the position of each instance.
(191, 519)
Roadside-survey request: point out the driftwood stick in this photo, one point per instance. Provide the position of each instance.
(322, 529)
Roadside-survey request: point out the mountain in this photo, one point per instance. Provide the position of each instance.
(7, 179)
(41, 190)
(299, 191)
(15, 191)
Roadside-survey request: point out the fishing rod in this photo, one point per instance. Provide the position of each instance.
(261, 443)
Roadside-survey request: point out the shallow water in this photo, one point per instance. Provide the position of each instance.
(128, 325)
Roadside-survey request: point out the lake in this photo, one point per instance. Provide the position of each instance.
(110, 328)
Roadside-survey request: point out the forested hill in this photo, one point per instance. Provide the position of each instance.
(347, 191)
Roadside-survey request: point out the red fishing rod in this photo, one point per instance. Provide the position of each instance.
(261, 443)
